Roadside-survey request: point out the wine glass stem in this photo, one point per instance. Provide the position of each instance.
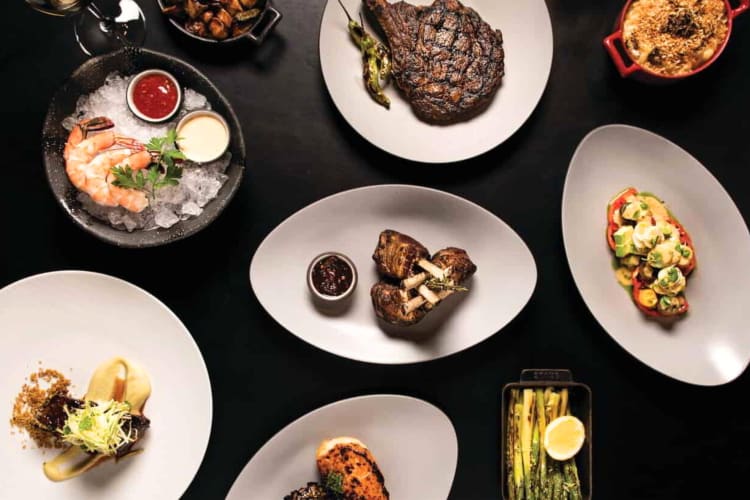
(107, 25)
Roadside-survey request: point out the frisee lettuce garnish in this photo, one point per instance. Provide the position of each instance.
(99, 427)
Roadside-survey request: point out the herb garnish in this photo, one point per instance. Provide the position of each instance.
(438, 284)
(163, 172)
(335, 483)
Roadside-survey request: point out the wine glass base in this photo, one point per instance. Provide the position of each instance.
(98, 36)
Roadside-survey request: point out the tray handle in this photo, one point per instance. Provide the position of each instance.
(546, 375)
(623, 68)
(744, 5)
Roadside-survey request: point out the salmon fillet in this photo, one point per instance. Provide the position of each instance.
(349, 457)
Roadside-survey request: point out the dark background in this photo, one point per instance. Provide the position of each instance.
(653, 437)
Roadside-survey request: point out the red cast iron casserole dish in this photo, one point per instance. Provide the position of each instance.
(630, 68)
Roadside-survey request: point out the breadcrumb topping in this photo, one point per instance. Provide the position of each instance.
(40, 386)
(673, 37)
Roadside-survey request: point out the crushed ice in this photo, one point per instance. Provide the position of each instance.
(200, 183)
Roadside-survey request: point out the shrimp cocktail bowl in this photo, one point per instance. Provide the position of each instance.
(134, 181)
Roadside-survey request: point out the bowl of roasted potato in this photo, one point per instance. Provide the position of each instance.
(222, 21)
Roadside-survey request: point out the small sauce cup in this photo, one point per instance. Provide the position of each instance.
(154, 90)
(320, 295)
(203, 136)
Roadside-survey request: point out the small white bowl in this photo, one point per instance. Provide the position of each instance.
(331, 298)
(213, 114)
(131, 89)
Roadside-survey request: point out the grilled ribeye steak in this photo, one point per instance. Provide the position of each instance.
(446, 59)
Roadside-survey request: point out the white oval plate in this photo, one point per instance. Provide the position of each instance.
(413, 442)
(73, 321)
(527, 35)
(711, 345)
(350, 222)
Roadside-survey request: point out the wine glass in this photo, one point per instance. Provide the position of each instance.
(100, 28)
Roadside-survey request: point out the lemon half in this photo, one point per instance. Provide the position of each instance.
(564, 437)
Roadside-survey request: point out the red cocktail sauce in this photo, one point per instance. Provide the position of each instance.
(155, 96)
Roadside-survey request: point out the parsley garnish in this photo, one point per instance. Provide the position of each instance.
(335, 483)
(165, 171)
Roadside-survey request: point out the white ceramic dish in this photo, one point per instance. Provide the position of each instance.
(711, 345)
(72, 321)
(413, 442)
(527, 35)
(350, 222)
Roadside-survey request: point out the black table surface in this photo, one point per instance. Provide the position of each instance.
(654, 437)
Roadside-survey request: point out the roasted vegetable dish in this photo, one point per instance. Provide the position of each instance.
(531, 442)
(653, 251)
(215, 19)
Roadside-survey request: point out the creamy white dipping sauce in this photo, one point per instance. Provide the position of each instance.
(202, 138)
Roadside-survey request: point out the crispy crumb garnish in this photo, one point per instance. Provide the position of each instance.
(673, 37)
(40, 386)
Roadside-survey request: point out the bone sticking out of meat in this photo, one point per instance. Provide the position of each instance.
(447, 60)
(414, 281)
(435, 271)
(397, 254)
(414, 304)
(388, 301)
(428, 295)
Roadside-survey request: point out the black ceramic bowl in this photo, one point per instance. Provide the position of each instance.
(90, 76)
(263, 25)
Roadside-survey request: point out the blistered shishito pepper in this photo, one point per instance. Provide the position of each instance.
(376, 60)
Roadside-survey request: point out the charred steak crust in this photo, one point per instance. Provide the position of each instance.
(446, 59)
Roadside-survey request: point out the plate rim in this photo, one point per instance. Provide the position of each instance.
(353, 399)
(416, 188)
(191, 339)
(167, 237)
(464, 156)
(582, 143)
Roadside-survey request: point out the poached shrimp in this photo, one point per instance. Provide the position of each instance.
(89, 161)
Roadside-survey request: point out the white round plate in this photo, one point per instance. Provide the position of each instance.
(711, 345)
(350, 222)
(72, 321)
(527, 41)
(413, 442)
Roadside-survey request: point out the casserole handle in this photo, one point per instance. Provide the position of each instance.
(744, 5)
(541, 375)
(273, 15)
(623, 68)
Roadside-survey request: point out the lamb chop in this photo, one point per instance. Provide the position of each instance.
(397, 254)
(389, 300)
(458, 261)
(418, 293)
(448, 61)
